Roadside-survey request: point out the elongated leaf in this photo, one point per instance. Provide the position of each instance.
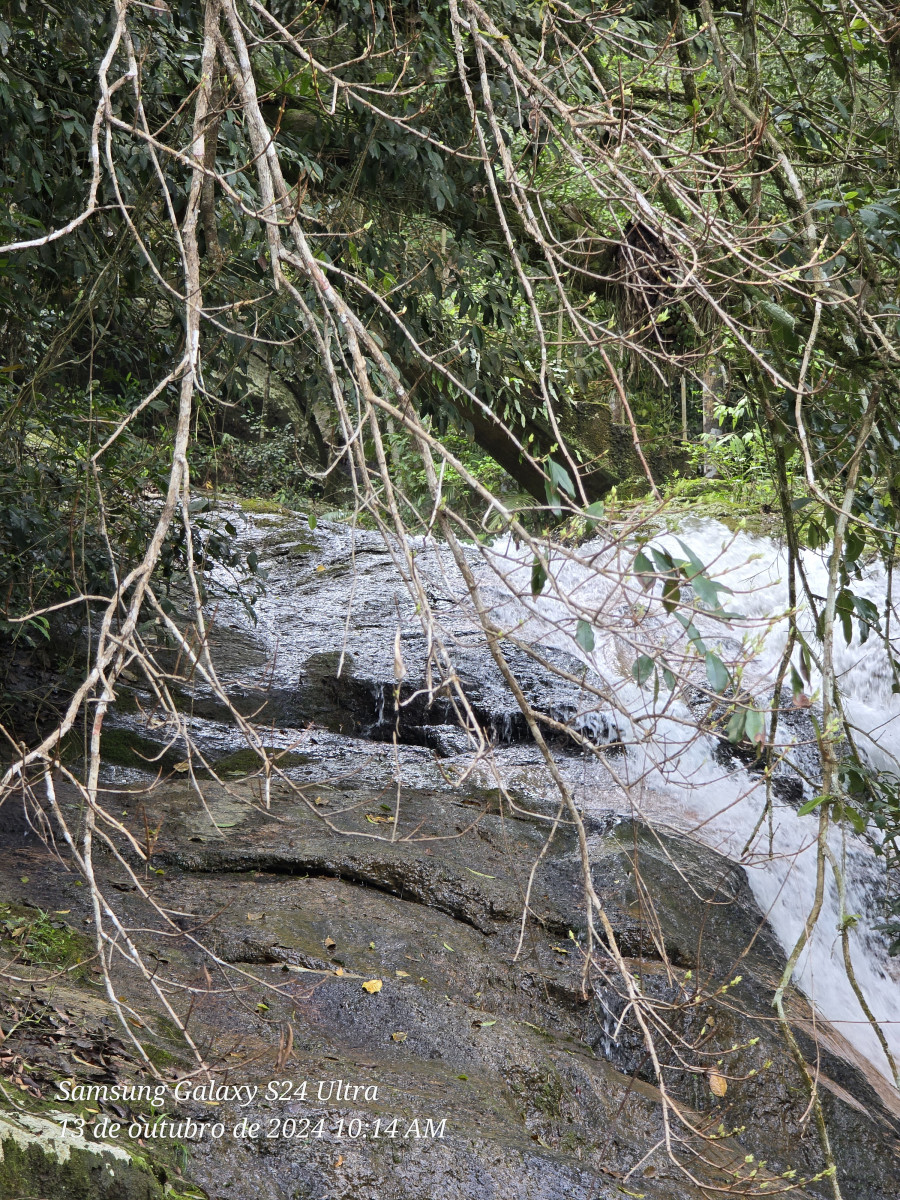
(643, 669)
(755, 726)
(538, 576)
(560, 477)
(808, 807)
(735, 729)
(671, 594)
(584, 636)
(717, 672)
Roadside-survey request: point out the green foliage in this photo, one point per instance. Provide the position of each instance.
(40, 940)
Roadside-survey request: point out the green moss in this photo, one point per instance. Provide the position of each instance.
(39, 1160)
(247, 762)
(128, 749)
(41, 940)
(264, 506)
(158, 1056)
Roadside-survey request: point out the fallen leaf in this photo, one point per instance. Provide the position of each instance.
(398, 1037)
(256, 916)
(402, 974)
(379, 820)
(62, 912)
(329, 942)
(485, 1024)
(718, 1084)
(24, 879)
(446, 947)
(372, 986)
(559, 949)
(320, 567)
(339, 970)
(319, 800)
(481, 874)
(340, 1159)
(182, 766)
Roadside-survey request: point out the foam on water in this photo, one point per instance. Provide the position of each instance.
(673, 772)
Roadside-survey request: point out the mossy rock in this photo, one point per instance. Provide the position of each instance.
(41, 940)
(247, 762)
(40, 1159)
(265, 507)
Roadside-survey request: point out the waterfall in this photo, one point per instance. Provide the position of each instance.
(672, 771)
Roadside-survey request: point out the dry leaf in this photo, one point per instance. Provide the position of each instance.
(398, 1037)
(339, 970)
(340, 1159)
(182, 766)
(329, 942)
(718, 1084)
(402, 974)
(399, 665)
(256, 916)
(319, 800)
(372, 986)
(378, 819)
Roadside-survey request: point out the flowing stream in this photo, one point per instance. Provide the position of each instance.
(676, 775)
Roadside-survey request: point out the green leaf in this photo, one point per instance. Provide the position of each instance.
(560, 477)
(538, 576)
(643, 669)
(671, 593)
(856, 819)
(735, 729)
(808, 807)
(717, 672)
(584, 636)
(755, 726)
(644, 570)
(311, 520)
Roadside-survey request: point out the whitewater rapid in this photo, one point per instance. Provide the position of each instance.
(672, 772)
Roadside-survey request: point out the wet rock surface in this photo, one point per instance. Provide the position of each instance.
(481, 1066)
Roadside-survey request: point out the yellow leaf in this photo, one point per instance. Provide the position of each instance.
(718, 1084)
(182, 766)
(339, 970)
(256, 916)
(329, 942)
(372, 986)
(398, 1037)
(402, 974)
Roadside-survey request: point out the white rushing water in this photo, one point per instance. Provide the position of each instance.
(671, 770)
